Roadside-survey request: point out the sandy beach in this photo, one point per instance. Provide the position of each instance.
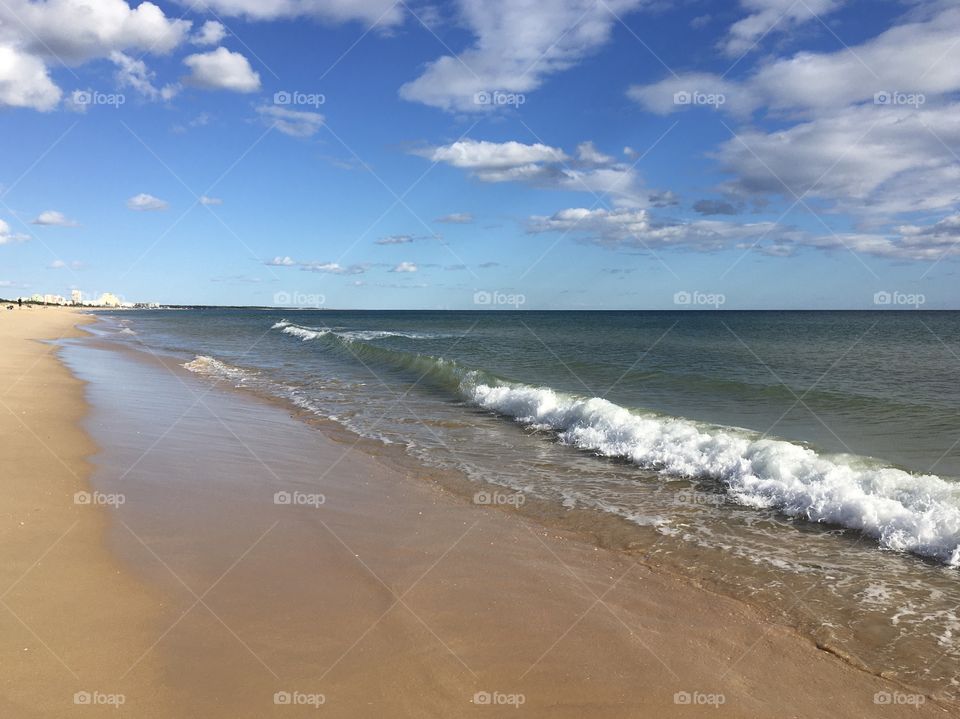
(227, 560)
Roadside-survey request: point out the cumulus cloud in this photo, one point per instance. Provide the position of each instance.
(281, 262)
(210, 201)
(210, 33)
(35, 34)
(8, 236)
(54, 218)
(25, 82)
(517, 46)
(296, 123)
(456, 218)
(145, 202)
(221, 69)
(405, 267)
(74, 31)
(539, 165)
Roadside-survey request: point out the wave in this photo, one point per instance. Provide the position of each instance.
(212, 367)
(904, 512)
(312, 333)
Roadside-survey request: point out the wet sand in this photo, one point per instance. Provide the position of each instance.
(70, 619)
(199, 591)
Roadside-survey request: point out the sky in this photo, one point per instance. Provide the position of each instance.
(483, 154)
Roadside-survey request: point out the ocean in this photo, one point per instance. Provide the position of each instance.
(806, 462)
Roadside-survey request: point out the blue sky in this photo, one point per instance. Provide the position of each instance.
(569, 153)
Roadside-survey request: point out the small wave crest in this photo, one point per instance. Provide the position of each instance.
(311, 333)
(212, 367)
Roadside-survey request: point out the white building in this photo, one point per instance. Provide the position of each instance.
(76, 297)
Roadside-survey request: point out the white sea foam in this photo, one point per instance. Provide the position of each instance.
(311, 333)
(304, 333)
(903, 511)
(212, 367)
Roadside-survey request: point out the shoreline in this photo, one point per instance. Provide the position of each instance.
(516, 585)
(70, 617)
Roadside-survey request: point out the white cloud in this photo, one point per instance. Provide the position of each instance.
(296, 123)
(540, 165)
(395, 240)
(916, 57)
(144, 202)
(864, 130)
(61, 265)
(210, 33)
(639, 229)
(456, 218)
(134, 73)
(34, 35)
(866, 159)
(382, 13)
(517, 46)
(25, 82)
(281, 262)
(75, 31)
(221, 69)
(484, 156)
(7, 236)
(204, 200)
(770, 17)
(54, 218)
(333, 268)
(405, 267)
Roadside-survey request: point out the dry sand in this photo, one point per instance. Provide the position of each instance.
(199, 596)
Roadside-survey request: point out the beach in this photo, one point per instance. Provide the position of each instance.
(227, 559)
